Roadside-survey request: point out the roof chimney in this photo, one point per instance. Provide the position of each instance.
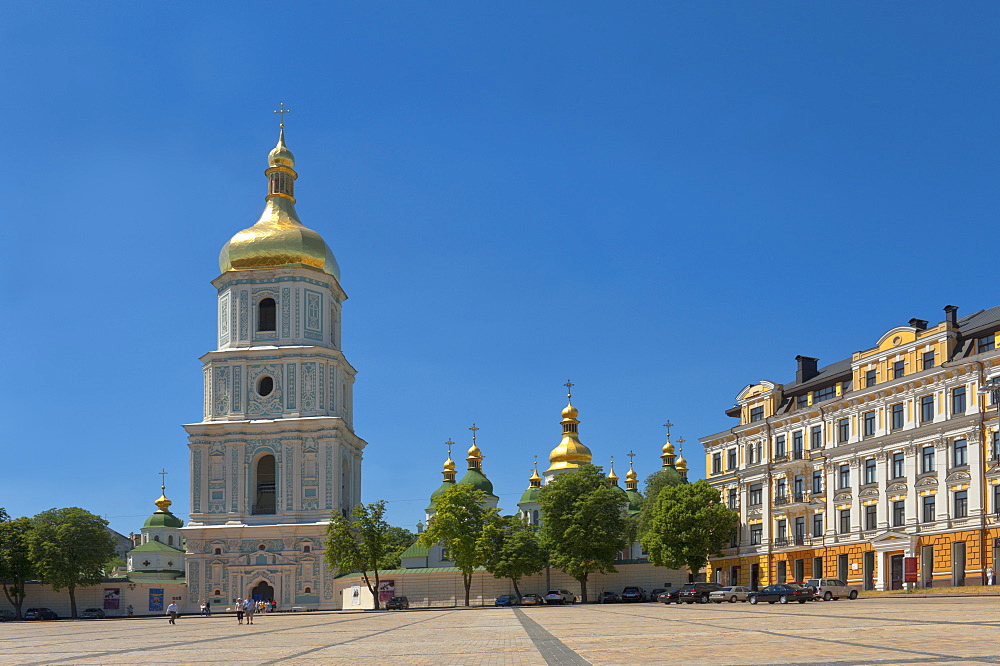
(807, 368)
(951, 312)
(919, 324)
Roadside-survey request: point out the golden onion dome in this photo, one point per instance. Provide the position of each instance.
(449, 464)
(612, 477)
(534, 478)
(278, 238)
(630, 475)
(163, 504)
(571, 452)
(570, 412)
(668, 448)
(474, 453)
(681, 463)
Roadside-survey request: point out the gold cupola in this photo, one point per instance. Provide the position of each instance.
(278, 238)
(631, 478)
(612, 477)
(681, 464)
(449, 465)
(162, 516)
(667, 455)
(571, 453)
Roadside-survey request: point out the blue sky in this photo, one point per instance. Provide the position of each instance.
(663, 202)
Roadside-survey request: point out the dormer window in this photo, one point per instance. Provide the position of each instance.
(756, 414)
(266, 315)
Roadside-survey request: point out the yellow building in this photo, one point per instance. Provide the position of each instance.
(854, 467)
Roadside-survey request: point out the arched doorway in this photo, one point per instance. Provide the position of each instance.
(263, 592)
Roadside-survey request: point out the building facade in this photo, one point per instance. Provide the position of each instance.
(876, 464)
(275, 453)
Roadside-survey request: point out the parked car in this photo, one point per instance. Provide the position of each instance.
(831, 589)
(692, 592)
(40, 614)
(668, 597)
(732, 594)
(92, 614)
(560, 597)
(782, 593)
(607, 597)
(397, 603)
(7, 615)
(633, 594)
(506, 600)
(655, 592)
(531, 599)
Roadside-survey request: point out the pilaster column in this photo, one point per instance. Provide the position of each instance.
(974, 454)
(912, 497)
(858, 511)
(884, 506)
(942, 507)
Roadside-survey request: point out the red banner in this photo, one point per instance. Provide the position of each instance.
(112, 597)
(910, 570)
(386, 590)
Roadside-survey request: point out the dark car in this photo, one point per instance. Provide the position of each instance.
(607, 598)
(40, 614)
(92, 614)
(782, 593)
(656, 592)
(699, 592)
(668, 597)
(397, 603)
(7, 615)
(531, 599)
(506, 600)
(633, 594)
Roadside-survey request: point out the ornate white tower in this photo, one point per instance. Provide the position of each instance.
(275, 453)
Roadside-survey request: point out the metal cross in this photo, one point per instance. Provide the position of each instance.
(450, 444)
(281, 118)
(680, 442)
(473, 429)
(163, 479)
(631, 455)
(668, 425)
(569, 388)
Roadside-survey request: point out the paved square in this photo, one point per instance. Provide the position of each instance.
(867, 631)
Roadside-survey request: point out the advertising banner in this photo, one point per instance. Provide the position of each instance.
(112, 597)
(386, 590)
(910, 570)
(156, 599)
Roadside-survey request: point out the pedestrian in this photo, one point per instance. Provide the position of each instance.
(239, 611)
(129, 609)
(172, 612)
(990, 577)
(600, 597)
(204, 609)
(250, 606)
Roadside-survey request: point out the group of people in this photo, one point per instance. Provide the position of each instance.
(245, 608)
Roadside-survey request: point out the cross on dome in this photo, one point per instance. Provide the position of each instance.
(281, 117)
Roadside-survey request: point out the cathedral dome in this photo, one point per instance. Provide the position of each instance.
(278, 238)
(162, 516)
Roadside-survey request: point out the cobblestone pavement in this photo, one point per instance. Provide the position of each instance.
(936, 631)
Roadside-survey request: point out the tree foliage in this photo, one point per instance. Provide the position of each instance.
(459, 518)
(655, 482)
(584, 523)
(688, 524)
(360, 543)
(69, 548)
(16, 567)
(398, 539)
(511, 550)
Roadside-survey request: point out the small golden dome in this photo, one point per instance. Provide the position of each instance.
(474, 453)
(449, 464)
(569, 411)
(611, 475)
(668, 448)
(280, 155)
(630, 475)
(534, 476)
(163, 504)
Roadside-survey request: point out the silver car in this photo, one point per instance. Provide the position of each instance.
(732, 594)
(829, 589)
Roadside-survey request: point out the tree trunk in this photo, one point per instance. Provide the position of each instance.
(72, 601)
(583, 588)
(516, 590)
(373, 590)
(15, 595)
(467, 579)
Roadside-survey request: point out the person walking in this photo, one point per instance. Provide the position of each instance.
(239, 611)
(250, 606)
(129, 610)
(172, 612)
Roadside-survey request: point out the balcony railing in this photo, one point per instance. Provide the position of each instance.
(781, 457)
(781, 500)
(798, 454)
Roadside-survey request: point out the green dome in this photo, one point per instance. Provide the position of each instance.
(530, 496)
(441, 490)
(163, 519)
(478, 480)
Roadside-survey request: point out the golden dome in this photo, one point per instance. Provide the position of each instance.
(612, 477)
(668, 448)
(534, 478)
(163, 504)
(474, 453)
(570, 412)
(571, 453)
(278, 238)
(630, 475)
(449, 463)
(680, 464)
(280, 155)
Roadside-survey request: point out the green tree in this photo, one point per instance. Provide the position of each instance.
(459, 518)
(689, 523)
(360, 543)
(15, 560)
(510, 549)
(398, 539)
(584, 523)
(69, 548)
(655, 482)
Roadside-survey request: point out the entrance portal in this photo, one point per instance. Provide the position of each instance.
(263, 592)
(896, 572)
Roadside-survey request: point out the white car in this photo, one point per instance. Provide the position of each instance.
(560, 597)
(732, 594)
(829, 589)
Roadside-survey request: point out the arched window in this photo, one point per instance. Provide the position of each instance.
(156, 538)
(266, 315)
(218, 592)
(266, 478)
(534, 517)
(308, 590)
(218, 551)
(170, 539)
(306, 549)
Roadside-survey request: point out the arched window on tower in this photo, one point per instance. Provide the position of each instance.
(264, 499)
(266, 315)
(170, 539)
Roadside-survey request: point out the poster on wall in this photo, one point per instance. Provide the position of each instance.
(386, 590)
(356, 595)
(156, 599)
(910, 570)
(112, 595)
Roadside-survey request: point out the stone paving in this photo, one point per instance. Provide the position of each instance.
(936, 631)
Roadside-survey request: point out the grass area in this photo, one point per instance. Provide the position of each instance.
(932, 591)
